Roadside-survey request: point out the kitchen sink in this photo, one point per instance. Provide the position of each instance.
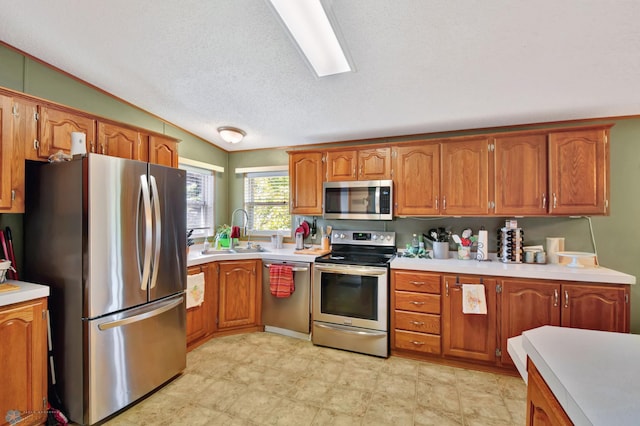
(257, 249)
(248, 250)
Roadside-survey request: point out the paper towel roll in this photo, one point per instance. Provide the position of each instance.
(78, 143)
(483, 243)
(554, 245)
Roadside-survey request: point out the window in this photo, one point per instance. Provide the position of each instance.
(266, 200)
(199, 200)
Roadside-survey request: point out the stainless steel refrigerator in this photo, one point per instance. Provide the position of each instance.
(108, 236)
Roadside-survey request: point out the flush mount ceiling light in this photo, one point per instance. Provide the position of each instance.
(231, 134)
(309, 26)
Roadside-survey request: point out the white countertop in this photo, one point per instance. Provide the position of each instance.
(472, 267)
(593, 374)
(496, 268)
(27, 291)
(196, 257)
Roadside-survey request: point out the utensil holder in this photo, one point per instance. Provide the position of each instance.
(440, 250)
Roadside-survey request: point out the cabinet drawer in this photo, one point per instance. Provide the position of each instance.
(422, 283)
(422, 323)
(428, 343)
(418, 302)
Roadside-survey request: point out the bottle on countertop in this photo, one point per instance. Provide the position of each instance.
(415, 245)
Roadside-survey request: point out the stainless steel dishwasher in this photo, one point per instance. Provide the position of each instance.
(291, 315)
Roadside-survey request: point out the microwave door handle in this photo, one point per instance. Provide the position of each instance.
(377, 199)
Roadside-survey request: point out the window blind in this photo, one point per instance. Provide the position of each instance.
(199, 200)
(266, 200)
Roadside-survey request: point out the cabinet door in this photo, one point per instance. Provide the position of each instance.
(197, 315)
(374, 164)
(543, 409)
(305, 180)
(342, 165)
(578, 172)
(465, 177)
(118, 141)
(238, 290)
(469, 336)
(23, 355)
(55, 127)
(595, 307)
(163, 150)
(526, 305)
(417, 180)
(521, 175)
(6, 154)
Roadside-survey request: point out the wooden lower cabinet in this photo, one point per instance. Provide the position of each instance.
(23, 362)
(239, 294)
(596, 307)
(468, 336)
(201, 319)
(415, 315)
(527, 304)
(427, 318)
(543, 409)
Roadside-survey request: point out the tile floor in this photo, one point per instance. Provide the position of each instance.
(269, 379)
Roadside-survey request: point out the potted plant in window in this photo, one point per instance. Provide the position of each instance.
(223, 234)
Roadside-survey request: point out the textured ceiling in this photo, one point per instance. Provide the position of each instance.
(421, 66)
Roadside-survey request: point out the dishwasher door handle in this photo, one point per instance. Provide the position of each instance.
(294, 269)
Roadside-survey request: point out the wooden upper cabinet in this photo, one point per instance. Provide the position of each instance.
(18, 130)
(361, 164)
(374, 164)
(579, 171)
(520, 175)
(55, 127)
(119, 141)
(594, 307)
(342, 165)
(465, 177)
(416, 180)
(305, 182)
(163, 150)
(6, 154)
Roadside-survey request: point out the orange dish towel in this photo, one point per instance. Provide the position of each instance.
(281, 280)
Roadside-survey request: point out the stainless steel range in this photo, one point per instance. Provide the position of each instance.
(351, 292)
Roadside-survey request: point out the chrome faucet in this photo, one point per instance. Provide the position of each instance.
(244, 231)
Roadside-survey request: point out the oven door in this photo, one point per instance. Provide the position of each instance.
(351, 295)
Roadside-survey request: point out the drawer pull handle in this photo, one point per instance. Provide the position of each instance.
(418, 283)
(417, 322)
(415, 342)
(416, 303)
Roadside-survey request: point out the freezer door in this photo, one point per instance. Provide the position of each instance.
(118, 224)
(132, 353)
(169, 198)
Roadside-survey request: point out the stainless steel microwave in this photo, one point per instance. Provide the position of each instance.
(361, 199)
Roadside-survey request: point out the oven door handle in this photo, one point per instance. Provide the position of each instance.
(351, 331)
(350, 271)
(293, 268)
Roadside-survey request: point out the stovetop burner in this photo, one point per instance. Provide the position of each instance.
(373, 248)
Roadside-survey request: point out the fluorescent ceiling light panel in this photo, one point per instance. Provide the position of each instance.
(309, 26)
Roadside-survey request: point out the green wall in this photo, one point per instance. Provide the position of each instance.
(616, 235)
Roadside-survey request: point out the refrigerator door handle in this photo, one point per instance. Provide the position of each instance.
(158, 229)
(140, 317)
(146, 203)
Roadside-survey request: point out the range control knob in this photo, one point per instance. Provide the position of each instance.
(341, 236)
(374, 237)
(388, 237)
